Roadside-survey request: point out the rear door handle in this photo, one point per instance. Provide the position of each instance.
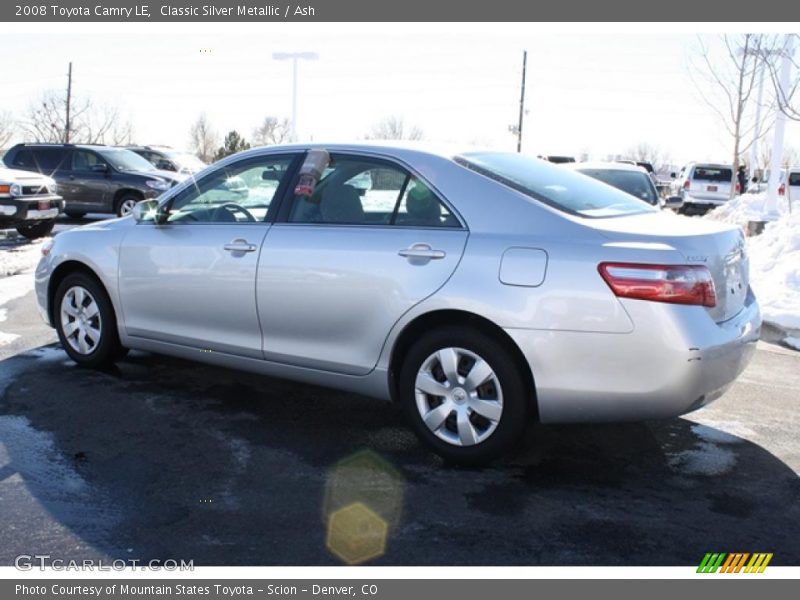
(423, 251)
(240, 246)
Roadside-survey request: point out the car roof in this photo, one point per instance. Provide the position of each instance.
(606, 166)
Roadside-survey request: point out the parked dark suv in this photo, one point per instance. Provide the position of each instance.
(93, 178)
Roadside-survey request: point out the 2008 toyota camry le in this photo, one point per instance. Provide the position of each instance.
(482, 290)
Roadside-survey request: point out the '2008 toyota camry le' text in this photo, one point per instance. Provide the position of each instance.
(480, 290)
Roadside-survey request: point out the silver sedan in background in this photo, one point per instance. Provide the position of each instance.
(480, 290)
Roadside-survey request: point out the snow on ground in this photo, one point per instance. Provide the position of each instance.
(16, 278)
(774, 256)
(21, 258)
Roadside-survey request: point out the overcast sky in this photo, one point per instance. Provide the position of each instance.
(589, 93)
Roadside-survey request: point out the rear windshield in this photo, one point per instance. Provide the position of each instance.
(555, 186)
(634, 183)
(708, 173)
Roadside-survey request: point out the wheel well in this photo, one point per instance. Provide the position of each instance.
(59, 274)
(456, 318)
(126, 192)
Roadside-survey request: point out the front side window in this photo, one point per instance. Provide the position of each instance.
(85, 161)
(241, 192)
(365, 191)
(555, 186)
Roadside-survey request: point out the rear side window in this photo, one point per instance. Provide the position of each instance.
(555, 186)
(634, 183)
(794, 178)
(708, 173)
(41, 159)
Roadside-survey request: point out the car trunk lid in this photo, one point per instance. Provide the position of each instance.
(717, 246)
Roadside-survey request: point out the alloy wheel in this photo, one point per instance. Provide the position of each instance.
(81, 323)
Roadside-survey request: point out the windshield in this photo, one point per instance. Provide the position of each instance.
(556, 186)
(184, 159)
(125, 160)
(633, 182)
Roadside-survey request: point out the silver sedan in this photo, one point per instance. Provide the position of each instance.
(480, 290)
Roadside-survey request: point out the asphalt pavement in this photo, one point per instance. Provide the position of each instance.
(159, 458)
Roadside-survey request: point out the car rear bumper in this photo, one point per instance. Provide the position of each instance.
(676, 360)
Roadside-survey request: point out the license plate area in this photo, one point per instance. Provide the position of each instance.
(711, 188)
(43, 204)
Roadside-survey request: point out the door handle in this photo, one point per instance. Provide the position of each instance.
(240, 246)
(422, 251)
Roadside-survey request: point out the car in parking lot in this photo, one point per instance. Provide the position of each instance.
(703, 186)
(93, 178)
(169, 159)
(28, 202)
(479, 290)
(790, 173)
(629, 178)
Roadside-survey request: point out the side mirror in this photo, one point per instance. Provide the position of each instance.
(100, 168)
(754, 179)
(673, 175)
(673, 202)
(147, 210)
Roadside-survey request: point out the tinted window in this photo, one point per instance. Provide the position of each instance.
(634, 183)
(556, 186)
(42, 159)
(83, 160)
(364, 191)
(125, 160)
(794, 179)
(708, 173)
(238, 193)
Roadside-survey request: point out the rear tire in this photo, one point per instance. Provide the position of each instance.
(85, 321)
(36, 229)
(464, 395)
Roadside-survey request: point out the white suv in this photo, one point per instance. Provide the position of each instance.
(703, 186)
(28, 202)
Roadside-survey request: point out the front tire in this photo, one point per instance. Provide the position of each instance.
(75, 214)
(85, 321)
(464, 395)
(125, 204)
(36, 229)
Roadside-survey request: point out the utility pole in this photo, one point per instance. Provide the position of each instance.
(522, 101)
(69, 101)
(775, 167)
(757, 131)
(294, 57)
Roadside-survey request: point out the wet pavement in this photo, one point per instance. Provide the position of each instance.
(162, 458)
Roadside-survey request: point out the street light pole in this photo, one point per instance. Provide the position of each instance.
(780, 124)
(294, 57)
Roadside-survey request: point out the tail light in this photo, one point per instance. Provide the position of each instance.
(675, 284)
(686, 184)
(782, 189)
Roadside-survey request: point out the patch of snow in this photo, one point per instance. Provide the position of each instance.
(714, 435)
(706, 458)
(775, 270)
(20, 258)
(7, 338)
(793, 342)
(15, 287)
(744, 208)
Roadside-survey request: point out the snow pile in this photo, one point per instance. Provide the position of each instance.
(19, 258)
(744, 208)
(775, 270)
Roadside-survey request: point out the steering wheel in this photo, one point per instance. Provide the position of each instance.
(232, 207)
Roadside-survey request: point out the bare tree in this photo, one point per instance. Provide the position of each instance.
(788, 100)
(272, 131)
(203, 139)
(393, 128)
(6, 128)
(790, 158)
(726, 81)
(646, 152)
(46, 120)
